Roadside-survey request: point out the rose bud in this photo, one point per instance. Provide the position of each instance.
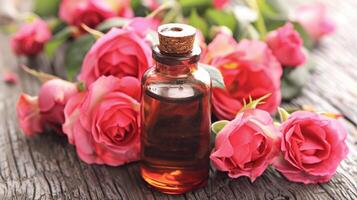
(286, 45)
(246, 145)
(249, 69)
(30, 38)
(314, 20)
(53, 97)
(312, 147)
(92, 12)
(103, 122)
(120, 52)
(28, 115)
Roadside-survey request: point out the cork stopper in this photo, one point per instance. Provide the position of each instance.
(176, 39)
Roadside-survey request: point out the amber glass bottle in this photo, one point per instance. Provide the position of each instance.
(175, 114)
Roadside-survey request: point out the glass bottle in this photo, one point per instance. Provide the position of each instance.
(175, 114)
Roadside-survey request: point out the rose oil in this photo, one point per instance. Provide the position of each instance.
(175, 116)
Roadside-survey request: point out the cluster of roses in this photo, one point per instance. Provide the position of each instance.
(100, 114)
(307, 147)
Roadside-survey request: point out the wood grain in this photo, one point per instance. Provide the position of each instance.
(47, 167)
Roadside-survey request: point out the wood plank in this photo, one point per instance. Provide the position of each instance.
(47, 167)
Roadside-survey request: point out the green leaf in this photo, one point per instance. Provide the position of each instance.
(56, 41)
(294, 79)
(221, 18)
(260, 23)
(112, 22)
(198, 22)
(283, 114)
(51, 47)
(308, 41)
(56, 25)
(274, 23)
(45, 8)
(215, 74)
(289, 90)
(249, 32)
(194, 3)
(65, 32)
(218, 126)
(139, 9)
(75, 54)
(274, 8)
(272, 14)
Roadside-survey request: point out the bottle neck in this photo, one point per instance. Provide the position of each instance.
(175, 70)
(176, 65)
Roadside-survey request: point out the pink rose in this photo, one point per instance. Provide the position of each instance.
(250, 70)
(286, 45)
(120, 52)
(93, 12)
(53, 97)
(142, 25)
(221, 45)
(314, 19)
(30, 38)
(103, 122)
(28, 115)
(220, 4)
(246, 145)
(312, 147)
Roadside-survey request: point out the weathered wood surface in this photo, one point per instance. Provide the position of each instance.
(47, 167)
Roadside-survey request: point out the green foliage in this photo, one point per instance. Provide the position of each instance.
(194, 3)
(248, 32)
(75, 54)
(283, 114)
(198, 22)
(294, 79)
(218, 126)
(56, 41)
(56, 25)
(252, 104)
(221, 18)
(139, 8)
(51, 47)
(308, 42)
(274, 23)
(45, 8)
(112, 22)
(199, 5)
(273, 8)
(215, 74)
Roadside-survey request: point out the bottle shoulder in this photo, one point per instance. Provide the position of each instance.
(198, 76)
(182, 88)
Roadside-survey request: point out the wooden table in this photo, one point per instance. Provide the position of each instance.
(47, 167)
